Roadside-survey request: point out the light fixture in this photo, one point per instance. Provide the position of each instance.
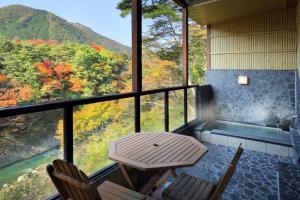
(243, 80)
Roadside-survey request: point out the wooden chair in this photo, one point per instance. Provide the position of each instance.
(74, 184)
(191, 188)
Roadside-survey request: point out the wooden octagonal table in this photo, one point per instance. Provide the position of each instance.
(155, 152)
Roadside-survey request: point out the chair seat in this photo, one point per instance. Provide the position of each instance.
(112, 191)
(188, 187)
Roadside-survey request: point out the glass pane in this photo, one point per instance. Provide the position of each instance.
(191, 104)
(152, 112)
(49, 52)
(176, 109)
(197, 52)
(95, 126)
(161, 56)
(27, 144)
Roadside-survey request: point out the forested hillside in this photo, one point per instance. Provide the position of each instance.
(25, 23)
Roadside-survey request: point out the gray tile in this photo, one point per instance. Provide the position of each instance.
(256, 176)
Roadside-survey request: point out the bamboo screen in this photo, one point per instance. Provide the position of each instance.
(263, 42)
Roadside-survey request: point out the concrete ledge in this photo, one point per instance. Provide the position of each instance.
(274, 149)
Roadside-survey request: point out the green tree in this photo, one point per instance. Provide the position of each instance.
(163, 36)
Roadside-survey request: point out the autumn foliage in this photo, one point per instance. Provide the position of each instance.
(12, 95)
(43, 70)
(97, 47)
(36, 42)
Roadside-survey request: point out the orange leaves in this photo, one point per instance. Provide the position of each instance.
(36, 42)
(25, 93)
(97, 47)
(75, 84)
(8, 94)
(160, 73)
(2, 78)
(44, 68)
(62, 70)
(11, 96)
(47, 69)
(54, 77)
(7, 103)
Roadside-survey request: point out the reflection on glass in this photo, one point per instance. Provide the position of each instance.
(152, 112)
(176, 109)
(197, 52)
(191, 104)
(95, 126)
(27, 144)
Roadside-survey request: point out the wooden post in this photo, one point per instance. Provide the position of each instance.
(185, 46)
(185, 60)
(68, 133)
(136, 10)
(166, 104)
(208, 56)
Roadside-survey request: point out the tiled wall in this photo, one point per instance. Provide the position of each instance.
(269, 96)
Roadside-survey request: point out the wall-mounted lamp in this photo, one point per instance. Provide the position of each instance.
(243, 80)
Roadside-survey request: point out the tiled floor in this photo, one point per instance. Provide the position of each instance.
(257, 175)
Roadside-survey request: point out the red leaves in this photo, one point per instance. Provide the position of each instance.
(48, 70)
(54, 77)
(97, 47)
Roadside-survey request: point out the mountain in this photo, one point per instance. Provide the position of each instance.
(21, 22)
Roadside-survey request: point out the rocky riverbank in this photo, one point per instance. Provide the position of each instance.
(25, 136)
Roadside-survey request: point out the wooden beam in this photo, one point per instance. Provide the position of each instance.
(68, 134)
(185, 46)
(181, 3)
(185, 54)
(136, 24)
(208, 48)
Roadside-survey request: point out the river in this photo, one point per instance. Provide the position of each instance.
(13, 171)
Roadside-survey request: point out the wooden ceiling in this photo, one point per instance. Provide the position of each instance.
(207, 12)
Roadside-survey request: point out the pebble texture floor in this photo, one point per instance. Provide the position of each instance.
(258, 175)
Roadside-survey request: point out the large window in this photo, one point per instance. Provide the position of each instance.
(28, 143)
(197, 52)
(48, 53)
(162, 35)
(176, 112)
(95, 126)
(152, 113)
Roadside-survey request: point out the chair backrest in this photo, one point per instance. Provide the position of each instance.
(237, 155)
(70, 182)
(222, 184)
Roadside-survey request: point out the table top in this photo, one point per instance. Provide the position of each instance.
(153, 151)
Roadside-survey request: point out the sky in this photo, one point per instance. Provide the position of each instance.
(100, 15)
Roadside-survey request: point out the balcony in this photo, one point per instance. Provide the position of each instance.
(250, 95)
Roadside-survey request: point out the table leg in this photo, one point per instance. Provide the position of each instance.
(148, 186)
(163, 179)
(173, 173)
(126, 176)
